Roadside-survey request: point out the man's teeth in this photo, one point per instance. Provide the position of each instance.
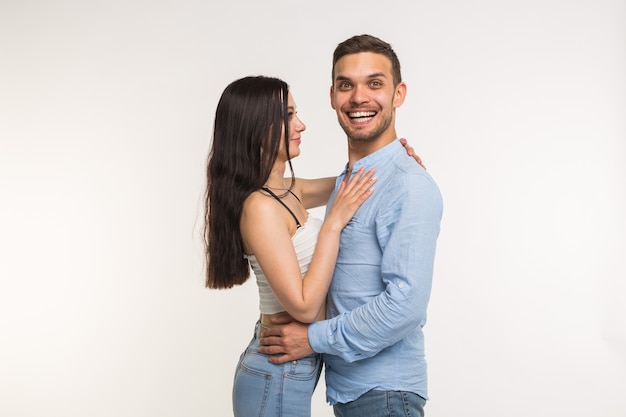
(360, 114)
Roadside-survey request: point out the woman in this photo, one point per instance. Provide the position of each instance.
(256, 217)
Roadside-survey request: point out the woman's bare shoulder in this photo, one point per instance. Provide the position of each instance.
(258, 201)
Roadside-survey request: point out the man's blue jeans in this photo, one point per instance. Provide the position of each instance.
(383, 404)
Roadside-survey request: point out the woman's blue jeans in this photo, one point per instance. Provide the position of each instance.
(262, 389)
(383, 404)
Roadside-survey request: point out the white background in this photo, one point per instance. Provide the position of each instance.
(517, 108)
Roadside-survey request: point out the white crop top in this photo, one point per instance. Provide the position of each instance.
(304, 243)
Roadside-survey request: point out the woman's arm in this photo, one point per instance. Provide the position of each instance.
(265, 232)
(316, 192)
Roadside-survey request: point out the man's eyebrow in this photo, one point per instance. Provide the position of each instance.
(374, 75)
(377, 75)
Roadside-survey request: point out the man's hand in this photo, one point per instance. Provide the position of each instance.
(411, 152)
(289, 339)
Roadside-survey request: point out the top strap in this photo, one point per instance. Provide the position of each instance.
(267, 190)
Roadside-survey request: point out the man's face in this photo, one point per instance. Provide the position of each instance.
(364, 97)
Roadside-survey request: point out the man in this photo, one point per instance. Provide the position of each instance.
(372, 339)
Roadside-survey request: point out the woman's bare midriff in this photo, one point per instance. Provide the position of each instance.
(266, 319)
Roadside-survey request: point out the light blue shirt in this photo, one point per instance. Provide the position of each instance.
(378, 297)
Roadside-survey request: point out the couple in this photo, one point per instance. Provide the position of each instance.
(359, 296)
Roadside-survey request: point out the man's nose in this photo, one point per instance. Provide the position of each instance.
(359, 95)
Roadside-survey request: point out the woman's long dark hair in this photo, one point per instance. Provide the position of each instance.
(250, 118)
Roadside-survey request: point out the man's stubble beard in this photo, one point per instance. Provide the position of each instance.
(366, 137)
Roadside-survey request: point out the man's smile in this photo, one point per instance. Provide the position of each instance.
(361, 116)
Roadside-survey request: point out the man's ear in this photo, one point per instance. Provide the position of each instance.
(399, 95)
(332, 102)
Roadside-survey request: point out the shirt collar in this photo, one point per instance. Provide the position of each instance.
(370, 160)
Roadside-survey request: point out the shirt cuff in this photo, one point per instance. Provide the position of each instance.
(317, 336)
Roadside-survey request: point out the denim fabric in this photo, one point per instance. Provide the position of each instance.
(262, 389)
(383, 404)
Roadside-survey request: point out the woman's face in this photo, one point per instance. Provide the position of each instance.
(296, 127)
